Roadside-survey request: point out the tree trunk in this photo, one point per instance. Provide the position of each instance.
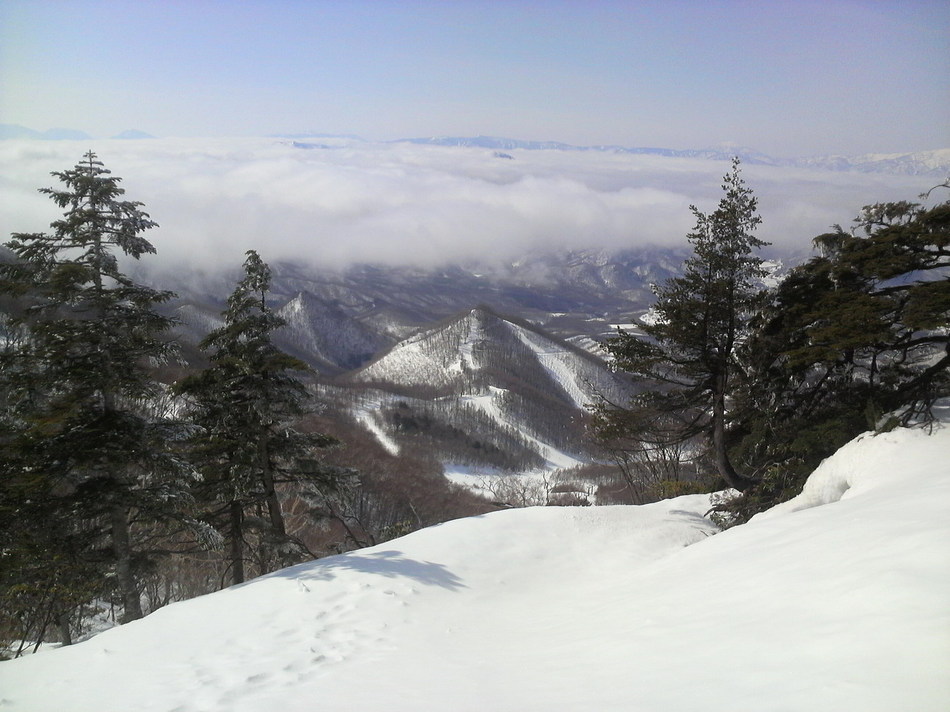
(62, 623)
(237, 542)
(723, 464)
(274, 550)
(274, 512)
(125, 579)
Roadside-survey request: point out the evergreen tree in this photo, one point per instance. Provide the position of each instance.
(86, 458)
(245, 404)
(855, 334)
(688, 362)
(887, 283)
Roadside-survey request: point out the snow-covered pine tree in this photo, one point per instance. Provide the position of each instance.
(245, 403)
(88, 462)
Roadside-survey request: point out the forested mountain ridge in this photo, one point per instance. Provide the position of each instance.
(481, 341)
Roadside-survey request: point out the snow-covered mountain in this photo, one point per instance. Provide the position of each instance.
(834, 601)
(407, 355)
(935, 163)
(575, 294)
(479, 347)
(481, 391)
(423, 360)
(133, 134)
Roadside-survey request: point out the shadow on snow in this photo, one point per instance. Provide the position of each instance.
(389, 564)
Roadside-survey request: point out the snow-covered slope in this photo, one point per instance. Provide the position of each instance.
(501, 382)
(835, 602)
(325, 336)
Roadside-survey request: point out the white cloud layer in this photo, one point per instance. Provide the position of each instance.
(407, 204)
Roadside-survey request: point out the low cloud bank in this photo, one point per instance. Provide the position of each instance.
(347, 201)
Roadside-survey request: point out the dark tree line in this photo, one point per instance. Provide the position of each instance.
(97, 481)
(759, 385)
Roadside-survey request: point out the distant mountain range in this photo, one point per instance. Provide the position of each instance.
(927, 163)
(15, 131)
(935, 162)
(338, 320)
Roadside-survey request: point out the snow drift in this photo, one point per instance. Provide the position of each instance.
(834, 601)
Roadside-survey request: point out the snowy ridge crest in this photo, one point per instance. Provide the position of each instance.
(482, 348)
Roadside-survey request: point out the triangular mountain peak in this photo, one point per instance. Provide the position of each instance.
(479, 348)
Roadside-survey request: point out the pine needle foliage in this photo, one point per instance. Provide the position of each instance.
(88, 462)
(245, 404)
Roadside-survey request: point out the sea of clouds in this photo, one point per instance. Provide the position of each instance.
(343, 201)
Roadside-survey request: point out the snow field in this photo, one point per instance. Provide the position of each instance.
(835, 601)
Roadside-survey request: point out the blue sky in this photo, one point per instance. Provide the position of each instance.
(788, 78)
